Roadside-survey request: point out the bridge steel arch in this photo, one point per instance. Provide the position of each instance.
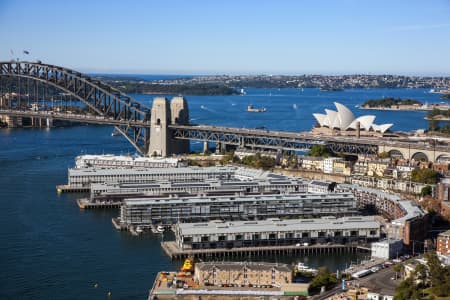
(105, 100)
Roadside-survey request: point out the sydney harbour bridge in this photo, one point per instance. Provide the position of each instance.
(28, 90)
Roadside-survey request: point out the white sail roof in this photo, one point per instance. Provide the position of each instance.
(343, 119)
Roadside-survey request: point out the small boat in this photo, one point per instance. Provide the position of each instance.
(139, 229)
(302, 268)
(160, 228)
(115, 133)
(294, 106)
(250, 108)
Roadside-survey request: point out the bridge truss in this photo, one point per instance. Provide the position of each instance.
(19, 80)
(264, 139)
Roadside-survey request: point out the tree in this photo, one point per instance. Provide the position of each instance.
(439, 276)
(383, 155)
(407, 290)
(399, 269)
(428, 176)
(420, 274)
(323, 278)
(426, 190)
(319, 150)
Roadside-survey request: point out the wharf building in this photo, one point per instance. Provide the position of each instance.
(110, 161)
(275, 232)
(170, 210)
(408, 221)
(250, 274)
(83, 178)
(116, 192)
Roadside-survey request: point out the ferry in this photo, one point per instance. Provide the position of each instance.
(250, 108)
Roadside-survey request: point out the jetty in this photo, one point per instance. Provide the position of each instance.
(85, 203)
(174, 252)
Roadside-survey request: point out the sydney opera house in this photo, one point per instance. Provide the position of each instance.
(343, 120)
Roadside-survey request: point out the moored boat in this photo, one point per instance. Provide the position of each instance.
(250, 108)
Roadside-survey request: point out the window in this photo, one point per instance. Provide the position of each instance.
(205, 238)
(222, 238)
(239, 237)
(337, 233)
(321, 234)
(353, 233)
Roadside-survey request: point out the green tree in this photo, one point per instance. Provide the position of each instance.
(439, 276)
(407, 290)
(399, 269)
(383, 155)
(323, 278)
(420, 274)
(426, 190)
(428, 176)
(319, 150)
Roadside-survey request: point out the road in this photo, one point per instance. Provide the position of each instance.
(379, 282)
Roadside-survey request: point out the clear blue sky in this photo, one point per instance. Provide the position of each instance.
(231, 37)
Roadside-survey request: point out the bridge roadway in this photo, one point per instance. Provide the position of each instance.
(298, 140)
(83, 118)
(245, 137)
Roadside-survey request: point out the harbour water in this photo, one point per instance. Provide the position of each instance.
(51, 250)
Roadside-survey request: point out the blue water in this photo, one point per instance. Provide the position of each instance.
(283, 115)
(51, 250)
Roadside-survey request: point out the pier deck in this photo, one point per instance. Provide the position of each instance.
(84, 203)
(174, 252)
(64, 188)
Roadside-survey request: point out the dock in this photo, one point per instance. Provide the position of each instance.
(174, 252)
(85, 203)
(65, 188)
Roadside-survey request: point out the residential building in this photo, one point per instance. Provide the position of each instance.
(342, 167)
(254, 274)
(328, 164)
(377, 167)
(312, 163)
(443, 243)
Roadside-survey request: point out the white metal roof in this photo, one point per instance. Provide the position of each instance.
(277, 225)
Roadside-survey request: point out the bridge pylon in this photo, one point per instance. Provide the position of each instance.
(164, 114)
